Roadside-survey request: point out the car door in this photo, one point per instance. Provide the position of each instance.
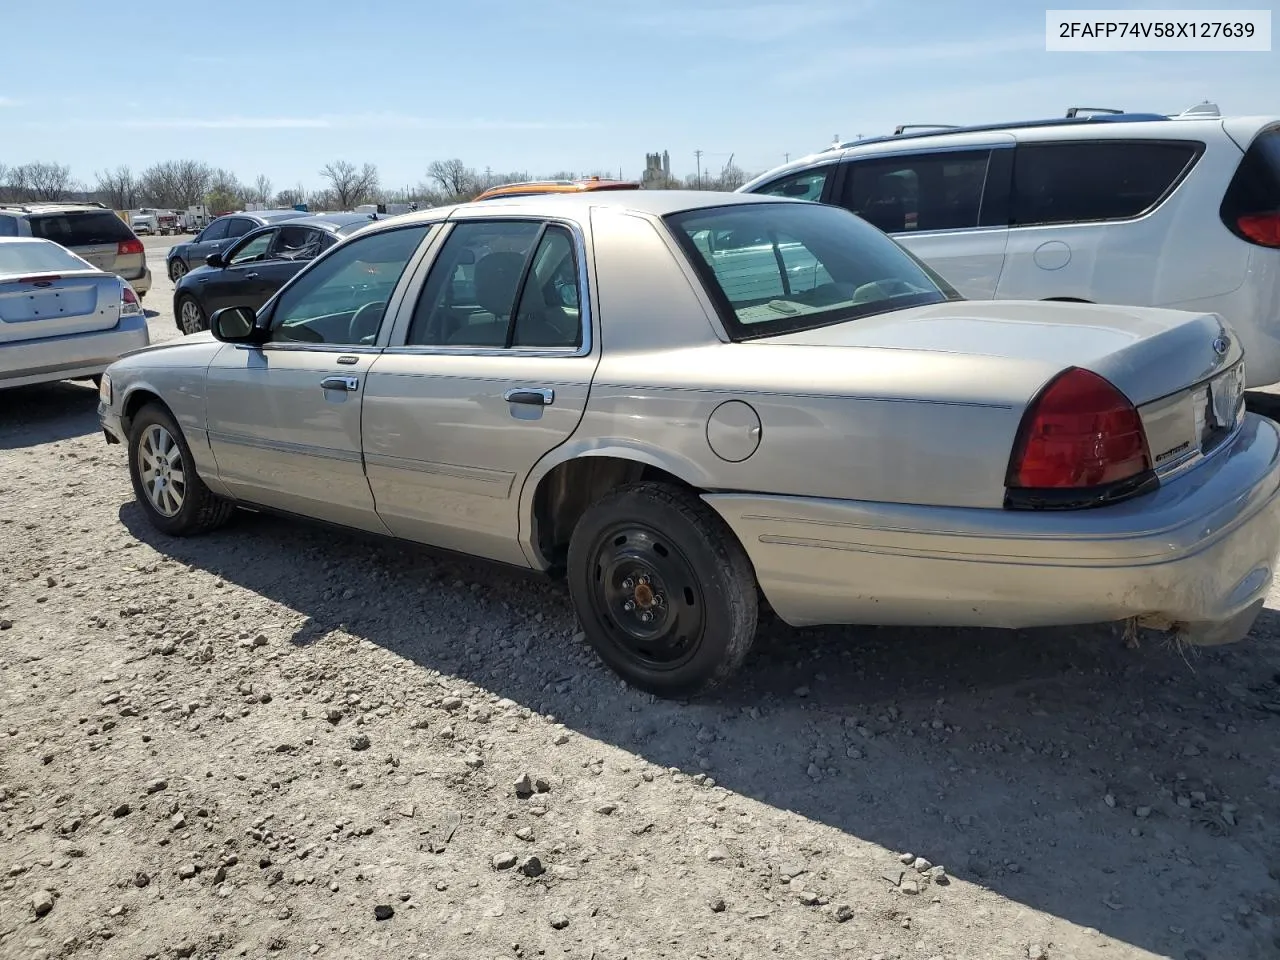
(947, 206)
(236, 282)
(284, 416)
(488, 372)
(206, 242)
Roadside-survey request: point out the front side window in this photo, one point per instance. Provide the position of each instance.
(342, 298)
(214, 231)
(805, 185)
(1089, 181)
(254, 248)
(501, 284)
(776, 268)
(940, 191)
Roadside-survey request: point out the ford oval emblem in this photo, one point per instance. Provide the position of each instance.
(1221, 345)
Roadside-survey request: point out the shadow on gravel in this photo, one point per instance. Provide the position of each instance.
(47, 413)
(1055, 767)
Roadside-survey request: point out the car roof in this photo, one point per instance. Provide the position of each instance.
(266, 216)
(1195, 123)
(578, 205)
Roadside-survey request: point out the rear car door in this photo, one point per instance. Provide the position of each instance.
(948, 207)
(486, 371)
(207, 242)
(284, 418)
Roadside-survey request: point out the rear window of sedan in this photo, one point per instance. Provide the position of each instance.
(775, 268)
(36, 256)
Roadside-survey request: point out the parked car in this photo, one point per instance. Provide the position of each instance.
(686, 400)
(89, 230)
(61, 318)
(221, 232)
(1124, 208)
(258, 265)
(530, 187)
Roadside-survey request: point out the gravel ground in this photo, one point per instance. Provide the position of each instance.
(282, 740)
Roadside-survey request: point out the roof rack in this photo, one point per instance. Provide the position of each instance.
(1015, 125)
(27, 206)
(1076, 111)
(904, 127)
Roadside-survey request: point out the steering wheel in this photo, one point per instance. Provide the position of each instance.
(365, 322)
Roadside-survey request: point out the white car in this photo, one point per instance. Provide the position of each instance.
(61, 318)
(1122, 208)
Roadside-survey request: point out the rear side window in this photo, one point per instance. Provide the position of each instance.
(940, 191)
(80, 229)
(8, 226)
(1251, 207)
(1090, 181)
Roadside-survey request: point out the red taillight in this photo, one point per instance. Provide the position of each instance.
(127, 247)
(128, 296)
(1263, 228)
(1081, 432)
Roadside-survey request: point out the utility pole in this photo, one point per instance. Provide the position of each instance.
(698, 154)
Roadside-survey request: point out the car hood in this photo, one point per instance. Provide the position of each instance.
(179, 352)
(1145, 351)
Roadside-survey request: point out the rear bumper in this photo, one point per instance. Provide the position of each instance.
(72, 357)
(141, 285)
(1199, 552)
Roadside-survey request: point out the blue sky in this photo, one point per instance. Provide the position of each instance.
(282, 86)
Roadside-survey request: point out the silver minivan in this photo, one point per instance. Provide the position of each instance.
(89, 230)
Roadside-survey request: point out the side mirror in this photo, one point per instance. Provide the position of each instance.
(214, 260)
(235, 325)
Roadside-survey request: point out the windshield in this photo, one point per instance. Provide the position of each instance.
(776, 268)
(26, 258)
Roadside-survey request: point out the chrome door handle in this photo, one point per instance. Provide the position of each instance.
(250, 276)
(349, 384)
(536, 396)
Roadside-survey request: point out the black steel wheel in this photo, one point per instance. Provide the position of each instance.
(663, 589)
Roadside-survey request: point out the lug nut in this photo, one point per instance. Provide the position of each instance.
(628, 584)
(646, 617)
(629, 606)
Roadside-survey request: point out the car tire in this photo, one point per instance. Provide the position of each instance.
(690, 625)
(191, 318)
(165, 482)
(177, 270)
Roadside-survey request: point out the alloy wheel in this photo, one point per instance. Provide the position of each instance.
(162, 470)
(191, 317)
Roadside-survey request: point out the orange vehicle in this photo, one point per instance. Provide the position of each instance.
(555, 186)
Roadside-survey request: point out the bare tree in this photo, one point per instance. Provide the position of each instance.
(175, 183)
(46, 181)
(348, 185)
(456, 180)
(262, 189)
(118, 187)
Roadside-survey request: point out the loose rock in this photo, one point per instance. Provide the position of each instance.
(42, 903)
(383, 911)
(504, 861)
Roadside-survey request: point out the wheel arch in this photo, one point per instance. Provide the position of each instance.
(570, 479)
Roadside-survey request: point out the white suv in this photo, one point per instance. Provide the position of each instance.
(1112, 207)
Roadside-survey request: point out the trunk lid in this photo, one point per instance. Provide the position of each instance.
(1181, 370)
(34, 308)
(1148, 353)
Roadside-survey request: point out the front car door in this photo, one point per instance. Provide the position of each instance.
(284, 417)
(486, 371)
(235, 283)
(949, 207)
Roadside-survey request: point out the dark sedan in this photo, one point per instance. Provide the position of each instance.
(250, 272)
(182, 258)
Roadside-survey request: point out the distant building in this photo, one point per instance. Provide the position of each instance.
(657, 170)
